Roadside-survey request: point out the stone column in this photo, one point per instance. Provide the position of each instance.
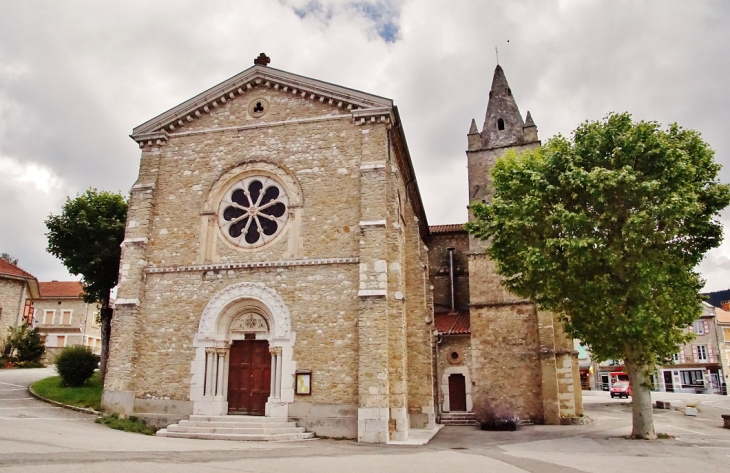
(277, 379)
(373, 363)
(220, 380)
(272, 384)
(210, 372)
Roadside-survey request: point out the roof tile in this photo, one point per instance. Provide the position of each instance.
(12, 270)
(450, 228)
(453, 322)
(55, 289)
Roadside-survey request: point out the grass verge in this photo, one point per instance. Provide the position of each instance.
(88, 395)
(130, 424)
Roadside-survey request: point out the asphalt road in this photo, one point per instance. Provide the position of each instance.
(37, 437)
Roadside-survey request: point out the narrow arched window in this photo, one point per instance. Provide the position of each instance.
(500, 124)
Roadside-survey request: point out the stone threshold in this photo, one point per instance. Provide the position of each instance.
(259, 264)
(418, 436)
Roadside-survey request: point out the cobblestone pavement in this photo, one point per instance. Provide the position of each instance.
(37, 437)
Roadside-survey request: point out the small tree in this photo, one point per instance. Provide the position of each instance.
(606, 230)
(76, 365)
(9, 258)
(86, 237)
(25, 344)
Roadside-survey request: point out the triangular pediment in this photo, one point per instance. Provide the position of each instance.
(246, 82)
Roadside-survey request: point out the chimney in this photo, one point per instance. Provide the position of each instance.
(725, 305)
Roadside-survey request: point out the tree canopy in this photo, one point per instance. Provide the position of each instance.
(86, 237)
(606, 229)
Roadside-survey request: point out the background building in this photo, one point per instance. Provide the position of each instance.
(16, 286)
(64, 319)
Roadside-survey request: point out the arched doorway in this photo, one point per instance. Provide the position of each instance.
(244, 347)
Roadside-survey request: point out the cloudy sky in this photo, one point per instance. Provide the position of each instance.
(77, 76)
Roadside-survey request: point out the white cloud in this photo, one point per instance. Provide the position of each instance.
(76, 77)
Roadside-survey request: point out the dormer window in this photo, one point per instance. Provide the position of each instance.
(500, 124)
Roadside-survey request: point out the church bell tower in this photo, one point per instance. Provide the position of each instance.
(503, 130)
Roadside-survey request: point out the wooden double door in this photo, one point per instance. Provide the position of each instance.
(249, 377)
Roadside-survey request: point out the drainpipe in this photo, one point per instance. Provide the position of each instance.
(451, 275)
(86, 318)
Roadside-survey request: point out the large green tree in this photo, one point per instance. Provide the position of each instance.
(607, 229)
(86, 237)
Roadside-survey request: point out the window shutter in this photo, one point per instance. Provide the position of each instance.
(694, 353)
(707, 326)
(691, 329)
(710, 355)
(681, 354)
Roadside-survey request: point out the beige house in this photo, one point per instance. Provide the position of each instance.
(16, 286)
(64, 319)
(698, 364)
(277, 262)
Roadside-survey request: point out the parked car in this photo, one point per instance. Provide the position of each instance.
(621, 389)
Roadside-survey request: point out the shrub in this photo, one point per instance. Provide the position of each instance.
(76, 365)
(27, 344)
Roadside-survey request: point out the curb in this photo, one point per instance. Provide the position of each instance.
(84, 410)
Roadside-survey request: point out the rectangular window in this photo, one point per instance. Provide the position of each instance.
(675, 357)
(701, 353)
(699, 327)
(694, 377)
(61, 341)
(48, 317)
(726, 331)
(66, 317)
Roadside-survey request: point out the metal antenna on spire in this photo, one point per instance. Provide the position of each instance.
(496, 51)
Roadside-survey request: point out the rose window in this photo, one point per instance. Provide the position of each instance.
(253, 211)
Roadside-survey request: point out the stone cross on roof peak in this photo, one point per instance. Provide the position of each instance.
(262, 60)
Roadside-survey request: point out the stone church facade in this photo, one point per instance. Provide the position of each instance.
(276, 262)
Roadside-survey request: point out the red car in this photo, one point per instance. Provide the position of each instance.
(621, 389)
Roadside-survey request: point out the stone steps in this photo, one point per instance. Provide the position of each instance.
(251, 425)
(235, 427)
(458, 418)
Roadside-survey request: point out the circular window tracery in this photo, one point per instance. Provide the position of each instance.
(253, 211)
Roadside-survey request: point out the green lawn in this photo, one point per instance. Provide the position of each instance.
(88, 395)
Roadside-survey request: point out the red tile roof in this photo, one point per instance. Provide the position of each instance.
(451, 228)
(55, 289)
(12, 270)
(453, 323)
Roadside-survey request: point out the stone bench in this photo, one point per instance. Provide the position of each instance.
(663, 405)
(726, 421)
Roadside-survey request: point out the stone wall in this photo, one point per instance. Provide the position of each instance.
(439, 269)
(11, 293)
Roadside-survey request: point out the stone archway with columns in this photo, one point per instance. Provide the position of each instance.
(242, 309)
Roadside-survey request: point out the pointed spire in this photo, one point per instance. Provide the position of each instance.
(473, 129)
(528, 120)
(503, 122)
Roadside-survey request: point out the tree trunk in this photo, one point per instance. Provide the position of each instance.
(106, 331)
(643, 421)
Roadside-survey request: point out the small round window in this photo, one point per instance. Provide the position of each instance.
(258, 107)
(253, 211)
